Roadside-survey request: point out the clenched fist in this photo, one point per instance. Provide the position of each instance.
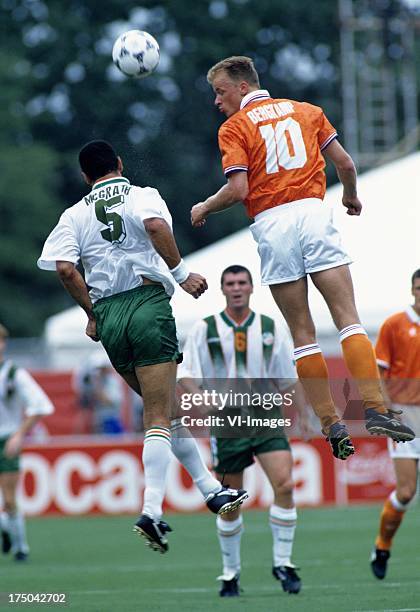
(195, 284)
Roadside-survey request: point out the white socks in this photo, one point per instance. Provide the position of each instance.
(229, 534)
(156, 460)
(186, 451)
(14, 524)
(283, 525)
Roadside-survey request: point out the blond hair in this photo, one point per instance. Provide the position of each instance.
(238, 68)
(3, 331)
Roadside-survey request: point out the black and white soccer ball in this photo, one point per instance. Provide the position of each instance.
(136, 53)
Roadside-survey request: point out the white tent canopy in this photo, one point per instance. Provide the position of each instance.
(384, 243)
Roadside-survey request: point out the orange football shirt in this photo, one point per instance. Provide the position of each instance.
(398, 351)
(279, 143)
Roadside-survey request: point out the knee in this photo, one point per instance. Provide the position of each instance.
(283, 488)
(405, 493)
(304, 333)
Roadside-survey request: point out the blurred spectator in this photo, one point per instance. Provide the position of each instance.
(100, 394)
(22, 404)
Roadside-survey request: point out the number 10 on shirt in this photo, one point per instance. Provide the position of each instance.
(285, 147)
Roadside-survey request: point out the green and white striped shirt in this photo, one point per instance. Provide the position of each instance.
(217, 347)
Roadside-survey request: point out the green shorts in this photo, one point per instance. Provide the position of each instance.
(232, 455)
(137, 328)
(7, 464)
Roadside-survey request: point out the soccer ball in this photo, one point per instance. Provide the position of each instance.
(136, 53)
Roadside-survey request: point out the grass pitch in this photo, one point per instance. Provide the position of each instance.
(102, 566)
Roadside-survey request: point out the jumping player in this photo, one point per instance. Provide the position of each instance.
(273, 158)
(123, 236)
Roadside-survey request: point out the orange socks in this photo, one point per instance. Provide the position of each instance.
(313, 374)
(391, 517)
(360, 359)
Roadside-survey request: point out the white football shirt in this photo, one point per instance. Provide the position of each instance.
(22, 397)
(106, 232)
(240, 357)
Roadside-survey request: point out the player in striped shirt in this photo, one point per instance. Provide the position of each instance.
(235, 344)
(273, 158)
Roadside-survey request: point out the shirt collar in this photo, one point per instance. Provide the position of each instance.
(412, 315)
(245, 323)
(114, 179)
(255, 96)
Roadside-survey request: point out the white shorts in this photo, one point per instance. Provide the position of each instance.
(297, 239)
(407, 450)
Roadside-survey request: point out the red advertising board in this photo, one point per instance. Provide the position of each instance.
(87, 475)
(70, 419)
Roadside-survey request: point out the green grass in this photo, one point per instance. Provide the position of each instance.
(103, 566)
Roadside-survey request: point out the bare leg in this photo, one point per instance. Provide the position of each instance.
(278, 467)
(406, 475)
(336, 287)
(292, 300)
(157, 383)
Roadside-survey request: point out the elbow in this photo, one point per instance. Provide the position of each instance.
(65, 269)
(154, 226)
(243, 192)
(239, 192)
(346, 165)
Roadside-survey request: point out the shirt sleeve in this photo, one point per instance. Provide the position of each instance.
(192, 363)
(327, 132)
(282, 364)
(383, 346)
(149, 204)
(33, 398)
(61, 244)
(233, 150)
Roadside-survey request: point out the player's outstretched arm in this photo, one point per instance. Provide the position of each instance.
(235, 190)
(75, 286)
(164, 243)
(347, 174)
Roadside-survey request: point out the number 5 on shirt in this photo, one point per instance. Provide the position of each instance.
(116, 226)
(285, 147)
